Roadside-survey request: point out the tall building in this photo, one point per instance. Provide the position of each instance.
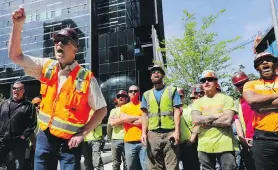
(117, 39)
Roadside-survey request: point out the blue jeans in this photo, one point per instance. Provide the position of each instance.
(118, 154)
(50, 150)
(136, 156)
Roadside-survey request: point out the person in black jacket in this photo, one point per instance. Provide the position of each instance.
(17, 122)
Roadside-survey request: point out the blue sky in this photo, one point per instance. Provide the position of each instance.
(242, 18)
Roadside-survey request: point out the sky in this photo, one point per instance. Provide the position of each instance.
(242, 18)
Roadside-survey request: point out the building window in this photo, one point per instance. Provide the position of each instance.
(37, 15)
(52, 12)
(8, 23)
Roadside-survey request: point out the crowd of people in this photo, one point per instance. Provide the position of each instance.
(154, 131)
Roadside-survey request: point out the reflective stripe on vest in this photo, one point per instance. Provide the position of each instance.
(49, 71)
(160, 113)
(70, 128)
(81, 76)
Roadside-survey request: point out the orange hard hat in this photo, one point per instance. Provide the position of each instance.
(239, 77)
(36, 100)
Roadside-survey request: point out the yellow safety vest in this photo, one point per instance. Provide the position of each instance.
(95, 134)
(160, 114)
(185, 125)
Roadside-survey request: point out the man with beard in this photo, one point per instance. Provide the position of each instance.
(161, 122)
(245, 117)
(214, 114)
(69, 92)
(262, 96)
(17, 122)
(131, 114)
(117, 143)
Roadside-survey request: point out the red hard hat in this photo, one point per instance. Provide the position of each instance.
(180, 91)
(239, 77)
(122, 92)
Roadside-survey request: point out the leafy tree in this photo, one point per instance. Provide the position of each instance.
(188, 56)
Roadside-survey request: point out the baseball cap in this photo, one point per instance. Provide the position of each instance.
(70, 33)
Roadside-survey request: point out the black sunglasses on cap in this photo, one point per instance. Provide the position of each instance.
(63, 39)
(121, 96)
(209, 79)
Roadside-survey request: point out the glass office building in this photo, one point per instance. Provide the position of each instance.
(43, 18)
(114, 36)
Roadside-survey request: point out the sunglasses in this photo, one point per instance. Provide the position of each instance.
(239, 85)
(156, 71)
(17, 88)
(199, 93)
(121, 96)
(133, 91)
(37, 104)
(63, 39)
(267, 59)
(210, 79)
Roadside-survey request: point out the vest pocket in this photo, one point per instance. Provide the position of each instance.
(74, 102)
(43, 89)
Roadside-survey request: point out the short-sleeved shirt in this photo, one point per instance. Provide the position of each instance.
(33, 67)
(132, 133)
(268, 121)
(215, 139)
(158, 93)
(118, 130)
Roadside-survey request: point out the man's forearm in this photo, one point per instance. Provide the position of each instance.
(177, 119)
(128, 118)
(145, 122)
(94, 121)
(224, 120)
(15, 51)
(259, 100)
(203, 120)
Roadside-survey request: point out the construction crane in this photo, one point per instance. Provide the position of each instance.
(249, 40)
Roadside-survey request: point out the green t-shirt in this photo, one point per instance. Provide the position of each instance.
(215, 139)
(118, 130)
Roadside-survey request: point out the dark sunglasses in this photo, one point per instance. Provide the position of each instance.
(133, 91)
(37, 104)
(121, 96)
(156, 71)
(63, 39)
(17, 88)
(267, 59)
(239, 85)
(210, 79)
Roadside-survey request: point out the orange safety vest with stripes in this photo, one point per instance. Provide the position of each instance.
(64, 113)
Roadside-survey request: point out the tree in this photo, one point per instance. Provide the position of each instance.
(196, 51)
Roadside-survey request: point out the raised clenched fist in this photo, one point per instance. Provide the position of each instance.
(19, 16)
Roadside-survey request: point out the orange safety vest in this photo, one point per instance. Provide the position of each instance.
(64, 113)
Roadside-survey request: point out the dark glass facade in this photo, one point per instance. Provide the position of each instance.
(111, 36)
(43, 18)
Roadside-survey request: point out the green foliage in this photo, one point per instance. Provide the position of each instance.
(188, 56)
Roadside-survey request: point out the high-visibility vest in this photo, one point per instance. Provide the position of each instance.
(95, 134)
(185, 124)
(240, 114)
(64, 113)
(160, 114)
